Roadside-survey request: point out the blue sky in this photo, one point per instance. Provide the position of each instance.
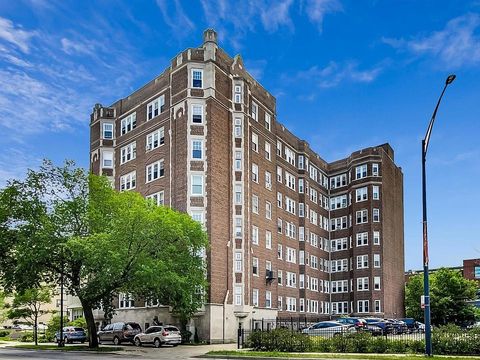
(347, 74)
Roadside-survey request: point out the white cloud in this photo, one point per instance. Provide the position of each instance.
(81, 47)
(317, 9)
(15, 35)
(175, 17)
(456, 45)
(275, 14)
(334, 73)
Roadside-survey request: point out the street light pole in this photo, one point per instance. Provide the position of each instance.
(426, 280)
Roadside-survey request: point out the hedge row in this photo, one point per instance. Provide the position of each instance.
(285, 340)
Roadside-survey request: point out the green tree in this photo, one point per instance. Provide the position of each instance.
(449, 291)
(27, 305)
(60, 221)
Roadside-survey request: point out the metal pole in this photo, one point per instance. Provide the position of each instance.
(426, 280)
(61, 342)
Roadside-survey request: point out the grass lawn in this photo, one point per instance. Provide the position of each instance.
(265, 354)
(67, 348)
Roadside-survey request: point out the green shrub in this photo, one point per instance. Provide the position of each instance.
(377, 345)
(278, 340)
(27, 337)
(4, 333)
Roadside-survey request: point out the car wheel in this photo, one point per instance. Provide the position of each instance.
(157, 343)
(83, 341)
(175, 345)
(116, 340)
(138, 342)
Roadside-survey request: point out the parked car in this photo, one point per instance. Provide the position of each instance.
(386, 326)
(357, 322)
(399, 327)
(373, 329)
(71, 334)
(411, 323)
(119, 332)
(329, 329)
(158, 336)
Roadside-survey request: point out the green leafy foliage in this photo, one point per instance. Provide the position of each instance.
(27, 305)
(62, 221)
(449, 291)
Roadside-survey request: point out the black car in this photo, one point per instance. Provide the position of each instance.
(358, 322)
(386, 326)
(412, 324)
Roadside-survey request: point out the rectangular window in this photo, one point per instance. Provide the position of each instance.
(254, 111)
(301, 186)
(155, 107)
(291, 304)
(197, 184)
(255, 204)
(290, 180)
(279, 225)
(362, 216)
(362, 284)
(268, 121)
(279, 200)
(255, 297)
(280, 251)
(362, 306)
(238, 194)
(362, 239)
(378, 307)
(280, 277)
(238, 295)
(268, 299)
(128, 123)
(155, 139)
(108, 131)
(362, 262)
(375, 169)
(291, 255)
(291, 279)
(254, 235)
(128, 152)
(268, 149)
(238, 262)
(268, 180)
(268, 210)
(155, 171)
(290, 155)
(338, 202)
(361, 194)
(376, 192)
(279, 174)
(238, 160)
(476, 272)
(107, 159)
(238, 127)
(376, 260)
(197, 78)
(255, 270)
(376, 215)
(376, 283)
(280, 303)
(238, 227)
(279, 148)
(376, 238)
(197, 114)
(237, 94)
(197, 147)
(125, 301)
(290, 205)
(255, 173)
(268, 239)
(158, 198)
(197, 215)
(128, 181)
(361, 172)
(254, 142)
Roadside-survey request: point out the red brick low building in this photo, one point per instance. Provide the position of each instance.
(290, 234)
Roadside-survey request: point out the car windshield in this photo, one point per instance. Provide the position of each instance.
(78, 329)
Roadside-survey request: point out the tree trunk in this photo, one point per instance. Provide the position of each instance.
(91, 328)
(35, 329)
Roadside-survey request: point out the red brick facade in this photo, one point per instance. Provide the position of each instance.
(251, 221)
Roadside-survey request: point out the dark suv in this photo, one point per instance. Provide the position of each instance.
(358, 322)
(119, 332)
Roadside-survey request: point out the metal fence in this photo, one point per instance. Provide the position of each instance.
(298, 335)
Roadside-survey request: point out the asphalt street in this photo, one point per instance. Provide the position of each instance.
(130, 352)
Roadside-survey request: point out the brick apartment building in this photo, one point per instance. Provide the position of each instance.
(290, 234)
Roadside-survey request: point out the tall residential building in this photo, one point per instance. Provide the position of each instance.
(290, 234)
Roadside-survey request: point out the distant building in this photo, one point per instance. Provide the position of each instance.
(290, 234)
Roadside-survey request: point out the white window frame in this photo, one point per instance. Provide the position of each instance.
(195, 185)
(160, 164)
(104, 130)
(199, 71)
(157, 106)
